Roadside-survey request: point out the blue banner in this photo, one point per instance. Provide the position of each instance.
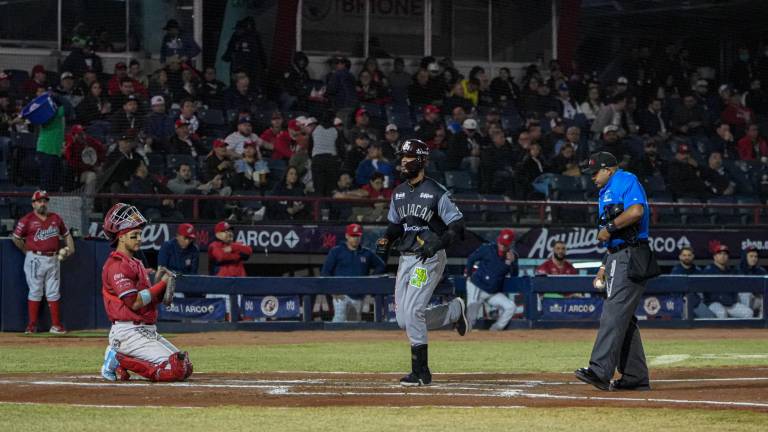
(571, 309)
(661, 307)
(193, 309)
(281, 307)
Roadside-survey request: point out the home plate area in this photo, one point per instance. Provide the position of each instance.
(718, 388)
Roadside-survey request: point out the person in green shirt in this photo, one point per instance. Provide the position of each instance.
(49, 149)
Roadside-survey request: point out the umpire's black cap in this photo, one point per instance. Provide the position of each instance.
(599, 161)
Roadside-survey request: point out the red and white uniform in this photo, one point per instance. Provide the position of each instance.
(133, 333)
(228, 263)
(41, 240)
(550, 268)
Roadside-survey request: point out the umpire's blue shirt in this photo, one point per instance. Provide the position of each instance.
(491, 268)
(173, 257)
(341, 261)
(624, 188)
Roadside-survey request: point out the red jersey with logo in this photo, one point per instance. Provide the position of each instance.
(41, 235)
(549, 267)
(228, 263)
(122, 276)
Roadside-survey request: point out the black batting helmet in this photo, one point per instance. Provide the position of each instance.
(417, 149)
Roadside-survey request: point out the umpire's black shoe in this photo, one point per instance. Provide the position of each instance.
(416, 380)
(463, 325)
(590, 377)
(621, 385)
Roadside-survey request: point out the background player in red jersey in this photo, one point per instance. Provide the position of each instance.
(131, 304)
(226, 255)
(38, 235)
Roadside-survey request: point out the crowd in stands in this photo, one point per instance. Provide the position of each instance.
(179, 129)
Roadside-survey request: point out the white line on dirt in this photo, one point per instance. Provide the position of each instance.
(89, 405)
(621, 399)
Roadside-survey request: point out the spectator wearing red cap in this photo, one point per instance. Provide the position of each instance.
(37, 80)
(428, 125)
(184, 142)
(117, 85)
(487, 268)
(725, 304)
(363, 125)
(226, 255)
(683, 175)
(270, 134)
(180, 254)
(350, 259)
(286, 142)
(219, 162)
(84, 155)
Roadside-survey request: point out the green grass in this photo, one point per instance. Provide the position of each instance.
(67, 418)
(390, 356)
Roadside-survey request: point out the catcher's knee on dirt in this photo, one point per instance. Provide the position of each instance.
(178, 367)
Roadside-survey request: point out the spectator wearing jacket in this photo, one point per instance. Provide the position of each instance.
(724, 304)
(226, 255)
(176, 43)
(686, 267)
(184, 142)
(210, 90)
(158, 126)
(350, 259)
(181, 254)
(375, 162)
(485, 285)
(341, 84)
(750, 266)
(752, 146)
(84, 155)
(82, 59)
(245, 52)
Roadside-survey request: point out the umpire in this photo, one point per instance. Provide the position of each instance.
(623, 228)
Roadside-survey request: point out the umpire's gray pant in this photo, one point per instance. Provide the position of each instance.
(618, 344)
(415, 283)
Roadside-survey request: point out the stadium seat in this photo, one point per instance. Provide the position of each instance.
(156, 163)
(400, 116)
(212, 117)
(746, 215)
(5, 208)
(175, 160)
(494, 212)
(722, 215)
(691, 215)
(459, 181)
(566, 184)
(665, 214)
(572, 214)
(472, 212)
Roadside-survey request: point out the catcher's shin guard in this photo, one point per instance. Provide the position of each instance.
(176, 368)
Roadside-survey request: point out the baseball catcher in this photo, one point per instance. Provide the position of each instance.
(131, 304)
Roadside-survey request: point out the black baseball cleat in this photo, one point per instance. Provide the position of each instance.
(621, 385)
(462, 326)
(416, 380)
(589, 376)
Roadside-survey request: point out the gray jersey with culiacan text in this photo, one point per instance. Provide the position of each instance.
(426, 206)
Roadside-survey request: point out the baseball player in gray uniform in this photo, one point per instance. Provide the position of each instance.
(424, 221)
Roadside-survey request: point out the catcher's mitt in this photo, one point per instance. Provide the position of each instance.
(430, 243)
(170, 283)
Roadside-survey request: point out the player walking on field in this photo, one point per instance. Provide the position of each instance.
(425, 221)
(38, 235)
(131, 305)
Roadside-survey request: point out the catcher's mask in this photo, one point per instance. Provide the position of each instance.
(417, 149)
(120, 219)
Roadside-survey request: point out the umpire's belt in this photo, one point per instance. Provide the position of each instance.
(626, 245)
(43, 253)
(132, 322)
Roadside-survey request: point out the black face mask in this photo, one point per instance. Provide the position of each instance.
(412, 169)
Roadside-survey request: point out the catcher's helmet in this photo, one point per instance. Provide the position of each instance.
(417, 149)
(121, 218)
